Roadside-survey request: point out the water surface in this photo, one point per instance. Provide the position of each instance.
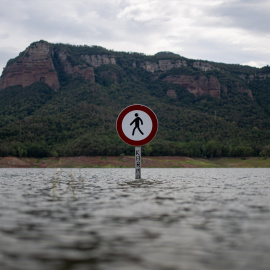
(186, 219)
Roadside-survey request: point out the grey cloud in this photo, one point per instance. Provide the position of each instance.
(246, 14)
(188, 27)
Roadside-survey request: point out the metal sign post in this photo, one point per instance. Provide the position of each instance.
(138, 162)
(137, 125)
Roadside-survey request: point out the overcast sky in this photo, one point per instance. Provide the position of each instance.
(228, 31)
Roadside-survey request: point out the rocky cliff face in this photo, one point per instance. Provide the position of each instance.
(197, 86)
(250, 78)
(162, 65)
(201, 85)
(165, 65)
(34, 64)
(98, 60)
(43, 61)
(78, 70)
(244, 90)
(204, 66)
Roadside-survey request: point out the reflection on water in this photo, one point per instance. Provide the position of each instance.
(191, 219)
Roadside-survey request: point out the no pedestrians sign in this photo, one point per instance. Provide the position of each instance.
(137, 125)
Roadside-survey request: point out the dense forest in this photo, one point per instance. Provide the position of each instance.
(80, 117)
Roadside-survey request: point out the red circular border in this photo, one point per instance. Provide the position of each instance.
(133, 108)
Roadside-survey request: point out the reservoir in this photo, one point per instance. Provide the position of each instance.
(103, 219)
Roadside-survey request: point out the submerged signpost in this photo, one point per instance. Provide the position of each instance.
(137, 125)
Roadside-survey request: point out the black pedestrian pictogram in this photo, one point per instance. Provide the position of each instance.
(137, 122)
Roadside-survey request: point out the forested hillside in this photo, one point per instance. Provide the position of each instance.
(204, 109)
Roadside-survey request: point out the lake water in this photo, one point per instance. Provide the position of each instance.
(91, 219)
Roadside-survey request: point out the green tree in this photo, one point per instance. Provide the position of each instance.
(213, 149)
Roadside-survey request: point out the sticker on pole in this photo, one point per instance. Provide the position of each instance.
(137, 125)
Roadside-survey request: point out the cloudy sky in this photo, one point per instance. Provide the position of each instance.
(229, 31)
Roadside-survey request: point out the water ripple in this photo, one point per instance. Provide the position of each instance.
(75, 219)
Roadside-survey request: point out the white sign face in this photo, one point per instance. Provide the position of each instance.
(137, 125)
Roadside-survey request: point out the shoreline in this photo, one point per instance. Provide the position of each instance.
(128, 162)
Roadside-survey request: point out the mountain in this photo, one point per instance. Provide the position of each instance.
(59, 99)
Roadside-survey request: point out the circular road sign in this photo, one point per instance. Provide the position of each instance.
(137, 125)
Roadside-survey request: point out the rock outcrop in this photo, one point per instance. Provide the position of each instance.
(197, 86)
(78, 70)
(34, 64)
(162, 65)
(165, 65)
(43, 61)
(98, 60)
(252, 77)
(172, 94)
(244, 90)
(204, 66)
